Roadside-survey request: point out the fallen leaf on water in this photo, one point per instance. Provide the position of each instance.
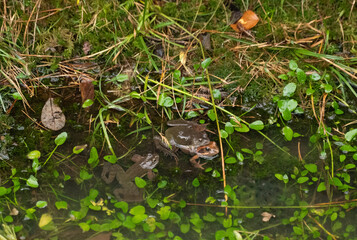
(87, 88)
(52, 116)
(246, 22)
(267, 216)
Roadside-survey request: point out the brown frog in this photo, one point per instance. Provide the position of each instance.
(190, 137)
(128, 191)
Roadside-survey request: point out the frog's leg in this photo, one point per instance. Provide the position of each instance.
(109, 172)
(151, 175)
(129, 193)
(195, 163)
(165, 148)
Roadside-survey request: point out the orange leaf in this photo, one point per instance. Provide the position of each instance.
(246, 22)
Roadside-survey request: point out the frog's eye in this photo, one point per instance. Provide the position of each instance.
(200, 139)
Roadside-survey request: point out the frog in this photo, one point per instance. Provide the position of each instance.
(128, 191)
(191, 138)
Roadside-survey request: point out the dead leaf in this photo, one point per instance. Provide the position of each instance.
(267, 216)
(246, 22)
(86, 47)
(52, 116)
(87, 88)
(14, 212)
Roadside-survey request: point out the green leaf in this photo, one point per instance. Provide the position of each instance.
(61, 205)
(211, 115)
(289, 90)
(162, 184)
(177, 74)
(216, 94)
(328, 88)
(93, 156)
(61, 138)
(283, 77)
(349, 166)
(206, 63)
(209, 217)
(310, 91)
(140, 183)
(41, 204)
(32, 181)
(3, 191)
(315, 77)
(293, 65)
(311, 167)
(279, 176)
(224, 134)
(17, 96)
(120, 78)
(85, 175)
(240, 156)
(192, 114)
(257, 125)
(137, 210)
(292, 104)
(230, 160)
(195, 182)
(164, 212)
(35, 154)
(110, 158)
(250, 215)
(165, 101)
(350, 135)
(122, 205)
(288, 133)
(337, 182)
(301, 76)
(185, 228)
(298, 230)
(152, 202)
(229, 127)
(302, 179)
(242, 128)
(84, 226)
(87, 103)
(334, 216)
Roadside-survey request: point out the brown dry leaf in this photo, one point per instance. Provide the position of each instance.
(87, 88)
(246, 22)
(267, 216)
(14, 212)
(52, 116)
(206, 41)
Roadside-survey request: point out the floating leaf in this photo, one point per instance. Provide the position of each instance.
(45, 219)
(110, 158)
(61, 205)
(211, 114)
(257, 125)
(195, 182)
(315, 76)
(288, 133)
(52, 116)
(311, 167)
(165, 101)
(230, 160)
(87, 103)
(3, 191)
(41, 204)
(242, 128)
(140, 183)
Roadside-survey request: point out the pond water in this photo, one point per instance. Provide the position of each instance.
(265, 174)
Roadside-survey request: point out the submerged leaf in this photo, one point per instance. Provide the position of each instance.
(52, 116)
